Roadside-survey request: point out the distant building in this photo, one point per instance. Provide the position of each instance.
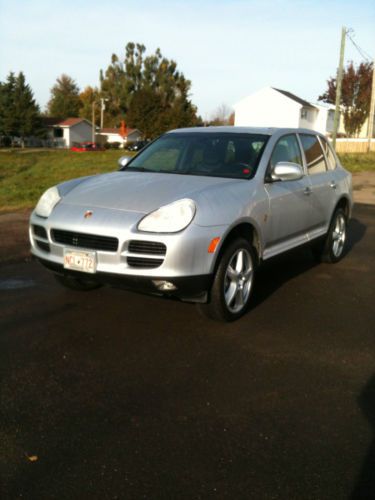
(69, 131)
(271, 107)
(123, 135)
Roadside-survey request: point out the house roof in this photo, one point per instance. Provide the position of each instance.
(70, 122)
(295, 98)
(117, 131)
(50, 121)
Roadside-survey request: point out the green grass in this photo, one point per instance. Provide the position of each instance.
(26, 174)
(358, 162)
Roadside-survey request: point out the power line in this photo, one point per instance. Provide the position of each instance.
(365, 55)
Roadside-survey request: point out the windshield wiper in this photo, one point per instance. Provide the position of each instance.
(136, 169)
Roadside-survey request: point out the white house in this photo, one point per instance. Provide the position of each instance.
(123, 136)
(72, 130)
(271, 107)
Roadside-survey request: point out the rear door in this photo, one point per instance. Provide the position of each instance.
(323, 185)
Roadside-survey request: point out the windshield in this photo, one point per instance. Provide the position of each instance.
(232, 155)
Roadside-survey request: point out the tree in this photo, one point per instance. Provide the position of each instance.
(145, 113)
(64, 100)
(87, 97)
(19, 113)
(355, 97)
(221, 116)
(147, 84)
(8, 126)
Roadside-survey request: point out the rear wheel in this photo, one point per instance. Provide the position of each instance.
(331, 250)
(233, 283)
(73, 283)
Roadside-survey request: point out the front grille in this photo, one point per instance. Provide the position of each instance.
(42, 245)
(82, 240)
(140, 262)
(40, 232)
(147, 247)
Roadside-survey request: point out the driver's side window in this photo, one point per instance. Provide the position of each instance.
(286, 149)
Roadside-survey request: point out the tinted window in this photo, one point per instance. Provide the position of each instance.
(314, 154)
(212, 154)
(331, 160)
(287, 149)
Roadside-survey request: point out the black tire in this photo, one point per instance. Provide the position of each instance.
(225, 284)
(73, 283)
(331, 249)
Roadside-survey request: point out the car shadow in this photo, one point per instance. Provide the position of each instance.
(275, 272)
(356, 232)
(365, 484)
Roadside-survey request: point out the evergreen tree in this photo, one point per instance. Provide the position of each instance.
(147, 91)
(19, 113)
(64, 102)
(8, 125)
(26, 111)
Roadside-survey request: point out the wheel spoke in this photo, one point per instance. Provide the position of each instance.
(240, 261)
(247, 274)
(239, 297)
(232, 273)
(336, 235)
(230, 293)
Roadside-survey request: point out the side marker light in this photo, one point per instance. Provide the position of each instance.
(213, 244)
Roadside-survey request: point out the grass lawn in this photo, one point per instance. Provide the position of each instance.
(358, 162)
(25, 174)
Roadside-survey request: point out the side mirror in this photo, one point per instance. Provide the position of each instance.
(123, 161)
(286, 171)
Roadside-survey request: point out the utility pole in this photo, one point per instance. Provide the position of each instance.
(102, 108)
(340, 72)
(370, 129)
(93, 122)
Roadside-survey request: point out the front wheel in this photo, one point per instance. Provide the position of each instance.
(233, 283)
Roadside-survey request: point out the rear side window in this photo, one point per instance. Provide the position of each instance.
(330, 157)
(314, 154)
(287, 149)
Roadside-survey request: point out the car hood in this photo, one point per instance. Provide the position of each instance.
(141, 192)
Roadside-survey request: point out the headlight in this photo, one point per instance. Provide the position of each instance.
(47, 202)
(170, 218)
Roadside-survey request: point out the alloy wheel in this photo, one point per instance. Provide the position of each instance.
(339, 235)
(238, 280)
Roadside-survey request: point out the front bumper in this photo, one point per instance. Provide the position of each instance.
(186, 288)
(184, 262)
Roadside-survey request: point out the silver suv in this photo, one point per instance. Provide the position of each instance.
(194, 214)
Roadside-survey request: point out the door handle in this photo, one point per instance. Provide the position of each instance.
(307, 191)
(333, 185)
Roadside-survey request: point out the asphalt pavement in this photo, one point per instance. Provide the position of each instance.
(109, 394)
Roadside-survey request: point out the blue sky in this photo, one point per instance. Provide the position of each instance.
(227, 48)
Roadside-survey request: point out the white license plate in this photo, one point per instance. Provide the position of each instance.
(80, 261)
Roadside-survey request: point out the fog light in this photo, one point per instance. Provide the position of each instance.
(165, 286)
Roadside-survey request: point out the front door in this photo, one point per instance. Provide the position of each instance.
(289, 204)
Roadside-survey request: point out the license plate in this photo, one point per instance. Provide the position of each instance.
(80, 261)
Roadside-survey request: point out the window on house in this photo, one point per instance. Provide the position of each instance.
(58, 132)
(304, 113)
